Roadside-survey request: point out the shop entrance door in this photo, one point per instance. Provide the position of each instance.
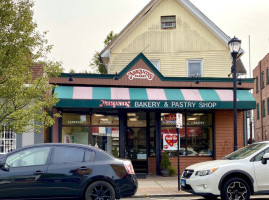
(136, 141)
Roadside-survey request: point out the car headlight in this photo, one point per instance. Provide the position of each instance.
(206, 172)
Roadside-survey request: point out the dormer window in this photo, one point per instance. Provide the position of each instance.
(168, 22)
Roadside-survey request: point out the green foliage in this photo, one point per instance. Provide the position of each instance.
(115, 152)
(165, 162)
(24, 99)
(172, 170)
(95, 63)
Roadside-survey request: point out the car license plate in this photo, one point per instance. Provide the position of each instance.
(183, 182)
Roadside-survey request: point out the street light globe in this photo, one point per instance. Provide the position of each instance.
(234, 45)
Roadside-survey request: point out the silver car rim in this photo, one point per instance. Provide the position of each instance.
(237, 191)
(100, 192)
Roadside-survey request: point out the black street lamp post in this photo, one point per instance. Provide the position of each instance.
(234, 46)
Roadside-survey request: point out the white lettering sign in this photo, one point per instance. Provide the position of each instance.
(140, 74)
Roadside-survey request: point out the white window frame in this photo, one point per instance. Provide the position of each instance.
(7, 140)
(195, 61)
(158, 63)
(168, 24)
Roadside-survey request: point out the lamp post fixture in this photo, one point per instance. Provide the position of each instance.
(234, 46)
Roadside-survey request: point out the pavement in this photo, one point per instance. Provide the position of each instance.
(158, 186)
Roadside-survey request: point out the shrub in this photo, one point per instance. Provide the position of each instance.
(165, 162)
(172, 170)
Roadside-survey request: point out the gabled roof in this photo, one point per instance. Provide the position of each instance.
(148, 8)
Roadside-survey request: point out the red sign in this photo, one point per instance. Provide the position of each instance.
(114, 104)
(140, 74)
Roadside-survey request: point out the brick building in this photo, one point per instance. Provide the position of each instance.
(261, 94)
(133, 113)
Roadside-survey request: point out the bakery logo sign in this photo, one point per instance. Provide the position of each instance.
(115, 104)
(140, 74)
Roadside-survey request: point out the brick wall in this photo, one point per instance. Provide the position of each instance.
(37, 70)
(261, 125)
(183, 163)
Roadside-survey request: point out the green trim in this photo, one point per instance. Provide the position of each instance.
(156, 72)
(142, 104)
(141, 56)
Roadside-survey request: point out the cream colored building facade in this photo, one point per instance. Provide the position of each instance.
(193, 38)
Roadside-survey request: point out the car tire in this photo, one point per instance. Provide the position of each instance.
(235, 188)
(209, 197)
(100, 190)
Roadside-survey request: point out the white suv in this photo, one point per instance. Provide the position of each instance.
(236, 176)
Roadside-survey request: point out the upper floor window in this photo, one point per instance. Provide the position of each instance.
(258, 111)
(168, 22)
(195, 68)
(268, 105)
(263, 108)
(156, 64)
(263, 80)
(257, 84)
(267, 76)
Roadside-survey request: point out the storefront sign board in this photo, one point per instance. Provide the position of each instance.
(170, 141)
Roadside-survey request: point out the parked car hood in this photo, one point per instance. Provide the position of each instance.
(210, 164)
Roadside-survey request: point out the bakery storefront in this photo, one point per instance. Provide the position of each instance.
(133, 114)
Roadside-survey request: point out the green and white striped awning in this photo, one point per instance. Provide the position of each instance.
(151, 98)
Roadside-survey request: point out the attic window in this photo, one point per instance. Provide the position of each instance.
(168, 22)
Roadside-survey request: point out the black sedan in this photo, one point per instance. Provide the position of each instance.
(65, 171)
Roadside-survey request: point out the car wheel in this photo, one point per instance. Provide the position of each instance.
(100, 190)
(210, 197)
(235, 188)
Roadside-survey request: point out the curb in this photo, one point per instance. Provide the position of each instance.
(163, 195)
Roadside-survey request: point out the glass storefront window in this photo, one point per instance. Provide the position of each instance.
(196, 139)
(169, 119)
(138, 119)
(79, 135)
(199, 119)
(75, 119)
(106, 138)
(101, 119)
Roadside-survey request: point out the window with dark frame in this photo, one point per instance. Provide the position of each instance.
(267, 76)
(257, 84)
(258, 111)
(263, 85)
(263, 108)
(168, 22)
(268, 106)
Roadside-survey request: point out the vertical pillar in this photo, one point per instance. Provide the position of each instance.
(158, 142)
(122, 128)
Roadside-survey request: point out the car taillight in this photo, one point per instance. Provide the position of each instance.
(129, 167)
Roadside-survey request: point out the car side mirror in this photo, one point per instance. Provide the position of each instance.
(265, 158)
(2, 164)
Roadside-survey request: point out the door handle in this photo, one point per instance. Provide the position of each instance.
(38, 172)
(83, 168)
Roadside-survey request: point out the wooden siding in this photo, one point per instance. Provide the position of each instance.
(173, 47)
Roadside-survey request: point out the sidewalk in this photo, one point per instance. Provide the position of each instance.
(155, 185)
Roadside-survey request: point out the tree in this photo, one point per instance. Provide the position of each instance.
(95, 63)
(24, 97)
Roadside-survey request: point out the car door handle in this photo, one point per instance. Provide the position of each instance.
(38, 172)
(83, 168)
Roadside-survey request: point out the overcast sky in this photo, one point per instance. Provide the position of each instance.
(77, 28)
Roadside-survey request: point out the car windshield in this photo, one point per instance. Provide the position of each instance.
(245, 152)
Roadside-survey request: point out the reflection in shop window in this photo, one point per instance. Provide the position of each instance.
(77, 135)
(195, 140)
(106, 138)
